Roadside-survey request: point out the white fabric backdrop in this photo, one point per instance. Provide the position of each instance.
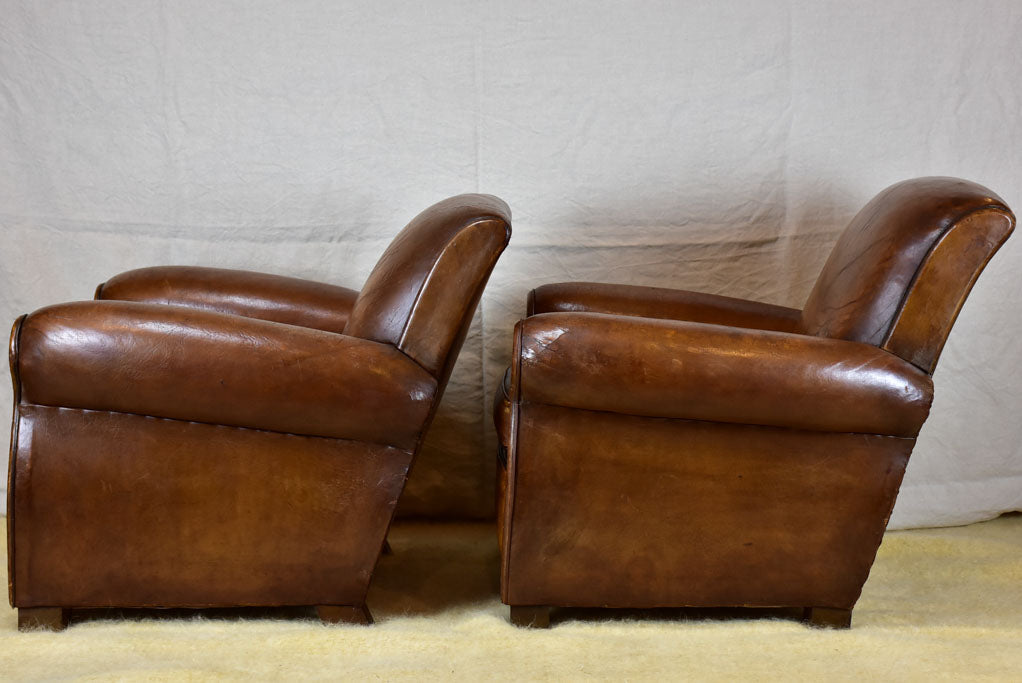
(715, 146)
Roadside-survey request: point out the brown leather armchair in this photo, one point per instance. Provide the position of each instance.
(664, 448)
(211, 438)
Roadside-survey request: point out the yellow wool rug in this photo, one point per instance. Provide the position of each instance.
(940, 603)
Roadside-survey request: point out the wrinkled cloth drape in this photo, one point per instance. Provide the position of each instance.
(712, 146)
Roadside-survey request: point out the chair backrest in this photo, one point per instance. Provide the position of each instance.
(422, 293)
(904, 266)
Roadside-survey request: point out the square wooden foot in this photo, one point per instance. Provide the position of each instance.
(828, 617)
(532, 617)
(32, 618)
(344, 614)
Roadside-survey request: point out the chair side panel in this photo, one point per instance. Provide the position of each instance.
(124, 510)
(622, 511)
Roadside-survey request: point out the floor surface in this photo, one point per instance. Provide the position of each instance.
(940, 603)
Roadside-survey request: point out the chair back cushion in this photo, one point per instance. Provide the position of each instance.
(904, 266)
(422, 293)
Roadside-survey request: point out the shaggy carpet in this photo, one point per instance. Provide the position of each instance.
(940, 603)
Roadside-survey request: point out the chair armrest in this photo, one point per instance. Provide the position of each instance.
(178, 363)
(655, 302)
(253, 295)
(659, 368)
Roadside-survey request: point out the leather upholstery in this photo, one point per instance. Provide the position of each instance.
(669, 304)
(253, 295)
(200, 437)
(415, 296)
(165, 361)
(664, 448)
(871, 284)
(896, 279)
(116, 509)
(696, 371)
(614, 510)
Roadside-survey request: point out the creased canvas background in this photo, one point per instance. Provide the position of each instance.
(715, 146)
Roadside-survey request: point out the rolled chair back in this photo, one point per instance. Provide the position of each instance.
(422, 293)
(904, 266)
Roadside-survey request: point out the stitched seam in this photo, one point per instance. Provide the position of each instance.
(722, 422)
(220, 426)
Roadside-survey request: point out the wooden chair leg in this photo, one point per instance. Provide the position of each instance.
(344, 614)
(53, 618)
(530, 616)
(828, 617)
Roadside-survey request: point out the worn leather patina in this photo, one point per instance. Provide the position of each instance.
(663, 448)
(199, 437)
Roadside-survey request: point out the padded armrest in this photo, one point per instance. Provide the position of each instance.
(253, 295)
(172, 362)
(655, 302)
(659, 368)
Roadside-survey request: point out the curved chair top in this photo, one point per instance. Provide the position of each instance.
(422, 293)
(902, 269)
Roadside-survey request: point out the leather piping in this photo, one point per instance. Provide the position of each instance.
(12, 464)
(512, 465)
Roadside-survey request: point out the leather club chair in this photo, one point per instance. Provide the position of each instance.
(663, 448)
(214, 438)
